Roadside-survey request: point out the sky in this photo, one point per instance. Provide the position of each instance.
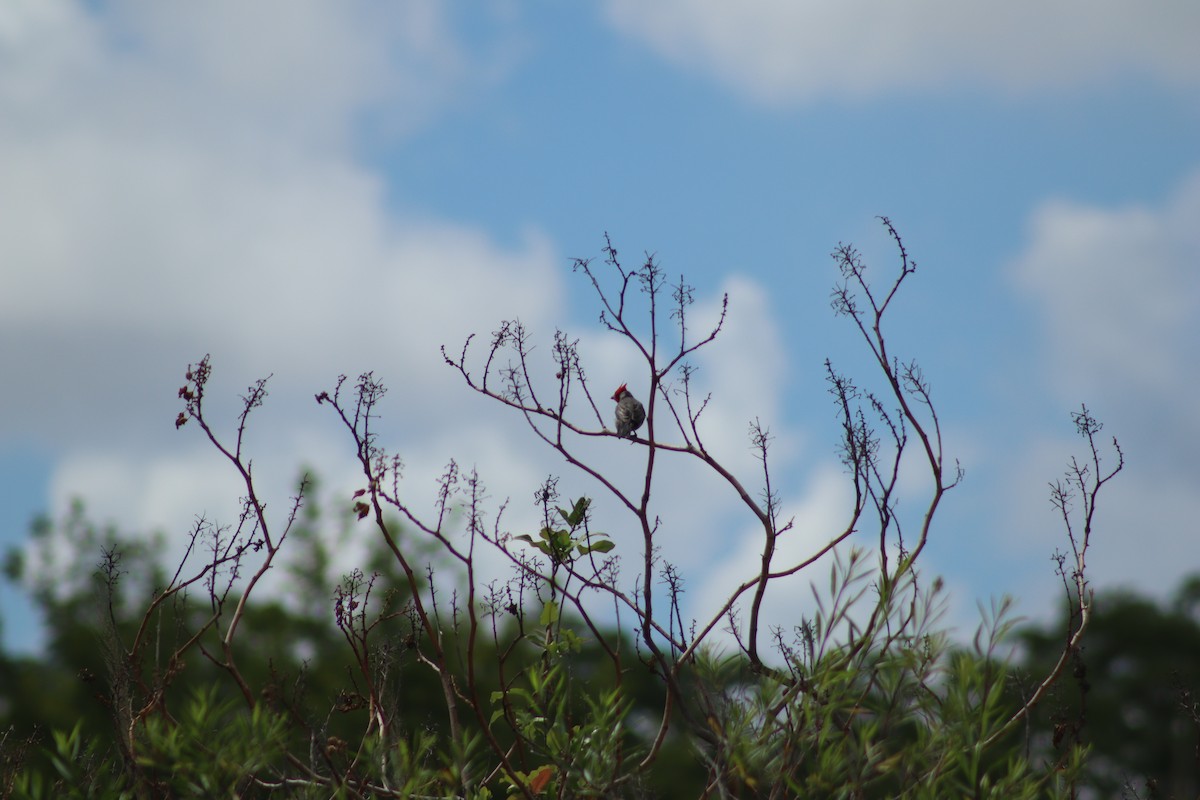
(305, 189)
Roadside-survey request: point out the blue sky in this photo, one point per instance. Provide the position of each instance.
(307, 189)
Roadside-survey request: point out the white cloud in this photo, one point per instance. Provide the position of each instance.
(154, 211)
(1118, 295)
(744, 368)
(821, 510)
(1143, 536)
(178, 182)
(780, 51)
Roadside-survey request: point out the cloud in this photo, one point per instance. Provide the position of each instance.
(306, 70)
(1117, 294)
(1119, 297)
(782, 52)
(176, 182)
(179, 182)
(820, 508)
(176, 188)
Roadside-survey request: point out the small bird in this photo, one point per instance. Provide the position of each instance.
(630, 412)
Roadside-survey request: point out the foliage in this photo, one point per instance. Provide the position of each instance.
(431, 681)
(1132, 696)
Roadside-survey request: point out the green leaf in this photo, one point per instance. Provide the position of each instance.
(578, 512)
(545, 547)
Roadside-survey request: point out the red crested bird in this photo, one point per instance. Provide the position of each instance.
(630, 412)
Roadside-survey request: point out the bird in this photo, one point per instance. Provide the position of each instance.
(630, 412)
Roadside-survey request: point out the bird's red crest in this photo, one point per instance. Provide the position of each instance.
(617, 393)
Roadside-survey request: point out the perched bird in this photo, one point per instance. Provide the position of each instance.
(630, 412)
